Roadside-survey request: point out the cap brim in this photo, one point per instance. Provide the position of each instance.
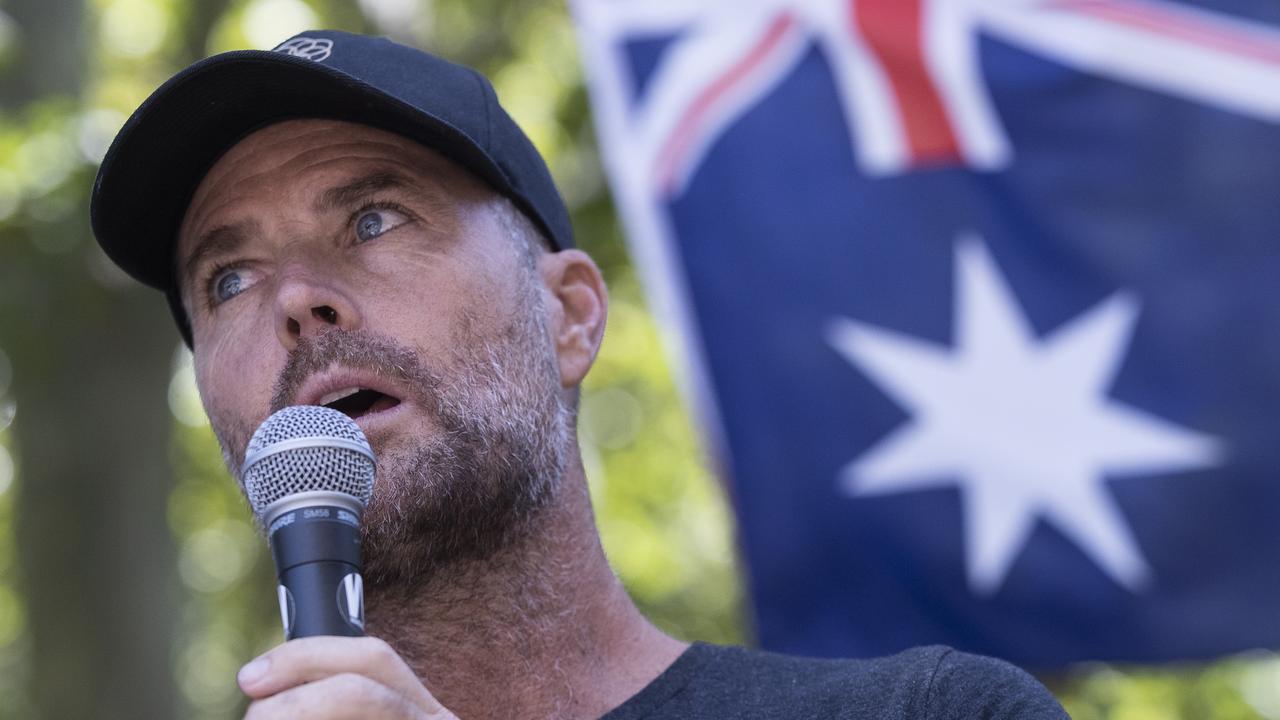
(159, 157)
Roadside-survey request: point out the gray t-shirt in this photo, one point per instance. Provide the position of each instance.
(710, 682)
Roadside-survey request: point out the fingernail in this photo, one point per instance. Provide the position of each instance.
(253, 672)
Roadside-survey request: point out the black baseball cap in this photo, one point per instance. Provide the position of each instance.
(171, 141)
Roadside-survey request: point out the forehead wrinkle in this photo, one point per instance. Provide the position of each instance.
(352, 191)
(432, 178)
(309, 149)
(410, 156)
(212, 199)
(304, 153)
(382, 173)
(425, 178)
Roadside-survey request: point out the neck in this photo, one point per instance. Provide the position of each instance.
(544, 627)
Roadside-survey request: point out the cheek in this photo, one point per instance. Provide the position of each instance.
(416, 297)
(235, 381)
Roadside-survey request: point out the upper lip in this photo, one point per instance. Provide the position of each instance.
(321, 384)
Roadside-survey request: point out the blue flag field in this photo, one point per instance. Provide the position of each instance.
(979, 302)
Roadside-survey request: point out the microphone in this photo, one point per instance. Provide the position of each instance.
(308, 472)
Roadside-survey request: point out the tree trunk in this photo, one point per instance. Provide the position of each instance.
(92, 438)
(91, 434)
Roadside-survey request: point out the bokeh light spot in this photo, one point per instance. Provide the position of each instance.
(184, 398)
(611, 417)
(398, 17)
(266, 23)
(207, 671)
(45, 161)
(97, 129)
(213, 558)
(134, 28)
(8, 408)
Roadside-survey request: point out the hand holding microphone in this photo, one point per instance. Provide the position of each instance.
(309, 472)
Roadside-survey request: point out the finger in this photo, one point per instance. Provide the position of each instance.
(311, 659)
(346, 696)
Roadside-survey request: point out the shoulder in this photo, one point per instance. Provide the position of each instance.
(929, 682)
(963, 685)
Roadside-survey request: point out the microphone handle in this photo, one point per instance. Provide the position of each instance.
(317, 554)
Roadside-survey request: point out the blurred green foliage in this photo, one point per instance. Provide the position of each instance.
(664, 519)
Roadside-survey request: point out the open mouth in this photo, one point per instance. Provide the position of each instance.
(355, 402)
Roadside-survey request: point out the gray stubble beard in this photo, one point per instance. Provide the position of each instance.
(470, 491)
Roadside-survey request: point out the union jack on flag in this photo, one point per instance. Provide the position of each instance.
(979, 303)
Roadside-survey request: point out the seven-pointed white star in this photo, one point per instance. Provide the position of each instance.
(1023, 425)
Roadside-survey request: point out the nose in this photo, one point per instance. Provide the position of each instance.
(307, 306)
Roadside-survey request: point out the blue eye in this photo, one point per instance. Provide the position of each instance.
(372, 223)
(369, 225)
(227, 285)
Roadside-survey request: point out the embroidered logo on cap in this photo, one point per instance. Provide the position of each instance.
(316, 49)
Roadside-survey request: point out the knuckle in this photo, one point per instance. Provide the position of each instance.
(354, 686)
(369, 695)
(382, 654)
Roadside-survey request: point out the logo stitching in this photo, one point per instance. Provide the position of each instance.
(316, 49)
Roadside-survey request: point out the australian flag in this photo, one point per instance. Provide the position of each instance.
(980, 302)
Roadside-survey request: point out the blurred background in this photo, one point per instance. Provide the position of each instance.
(132, 582)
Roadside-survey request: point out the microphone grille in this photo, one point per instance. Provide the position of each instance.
(307, 448)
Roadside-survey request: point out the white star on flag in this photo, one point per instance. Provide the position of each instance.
(1022, 425)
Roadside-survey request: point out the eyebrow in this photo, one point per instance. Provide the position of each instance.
(350, 193)
(222, 240)
(226, 239)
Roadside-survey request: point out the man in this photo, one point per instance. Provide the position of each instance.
(349, 222)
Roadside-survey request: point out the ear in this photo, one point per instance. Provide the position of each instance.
(578, 306)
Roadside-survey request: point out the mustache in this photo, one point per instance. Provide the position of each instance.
(356, 350)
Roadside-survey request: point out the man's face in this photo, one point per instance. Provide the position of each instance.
(330, 263)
